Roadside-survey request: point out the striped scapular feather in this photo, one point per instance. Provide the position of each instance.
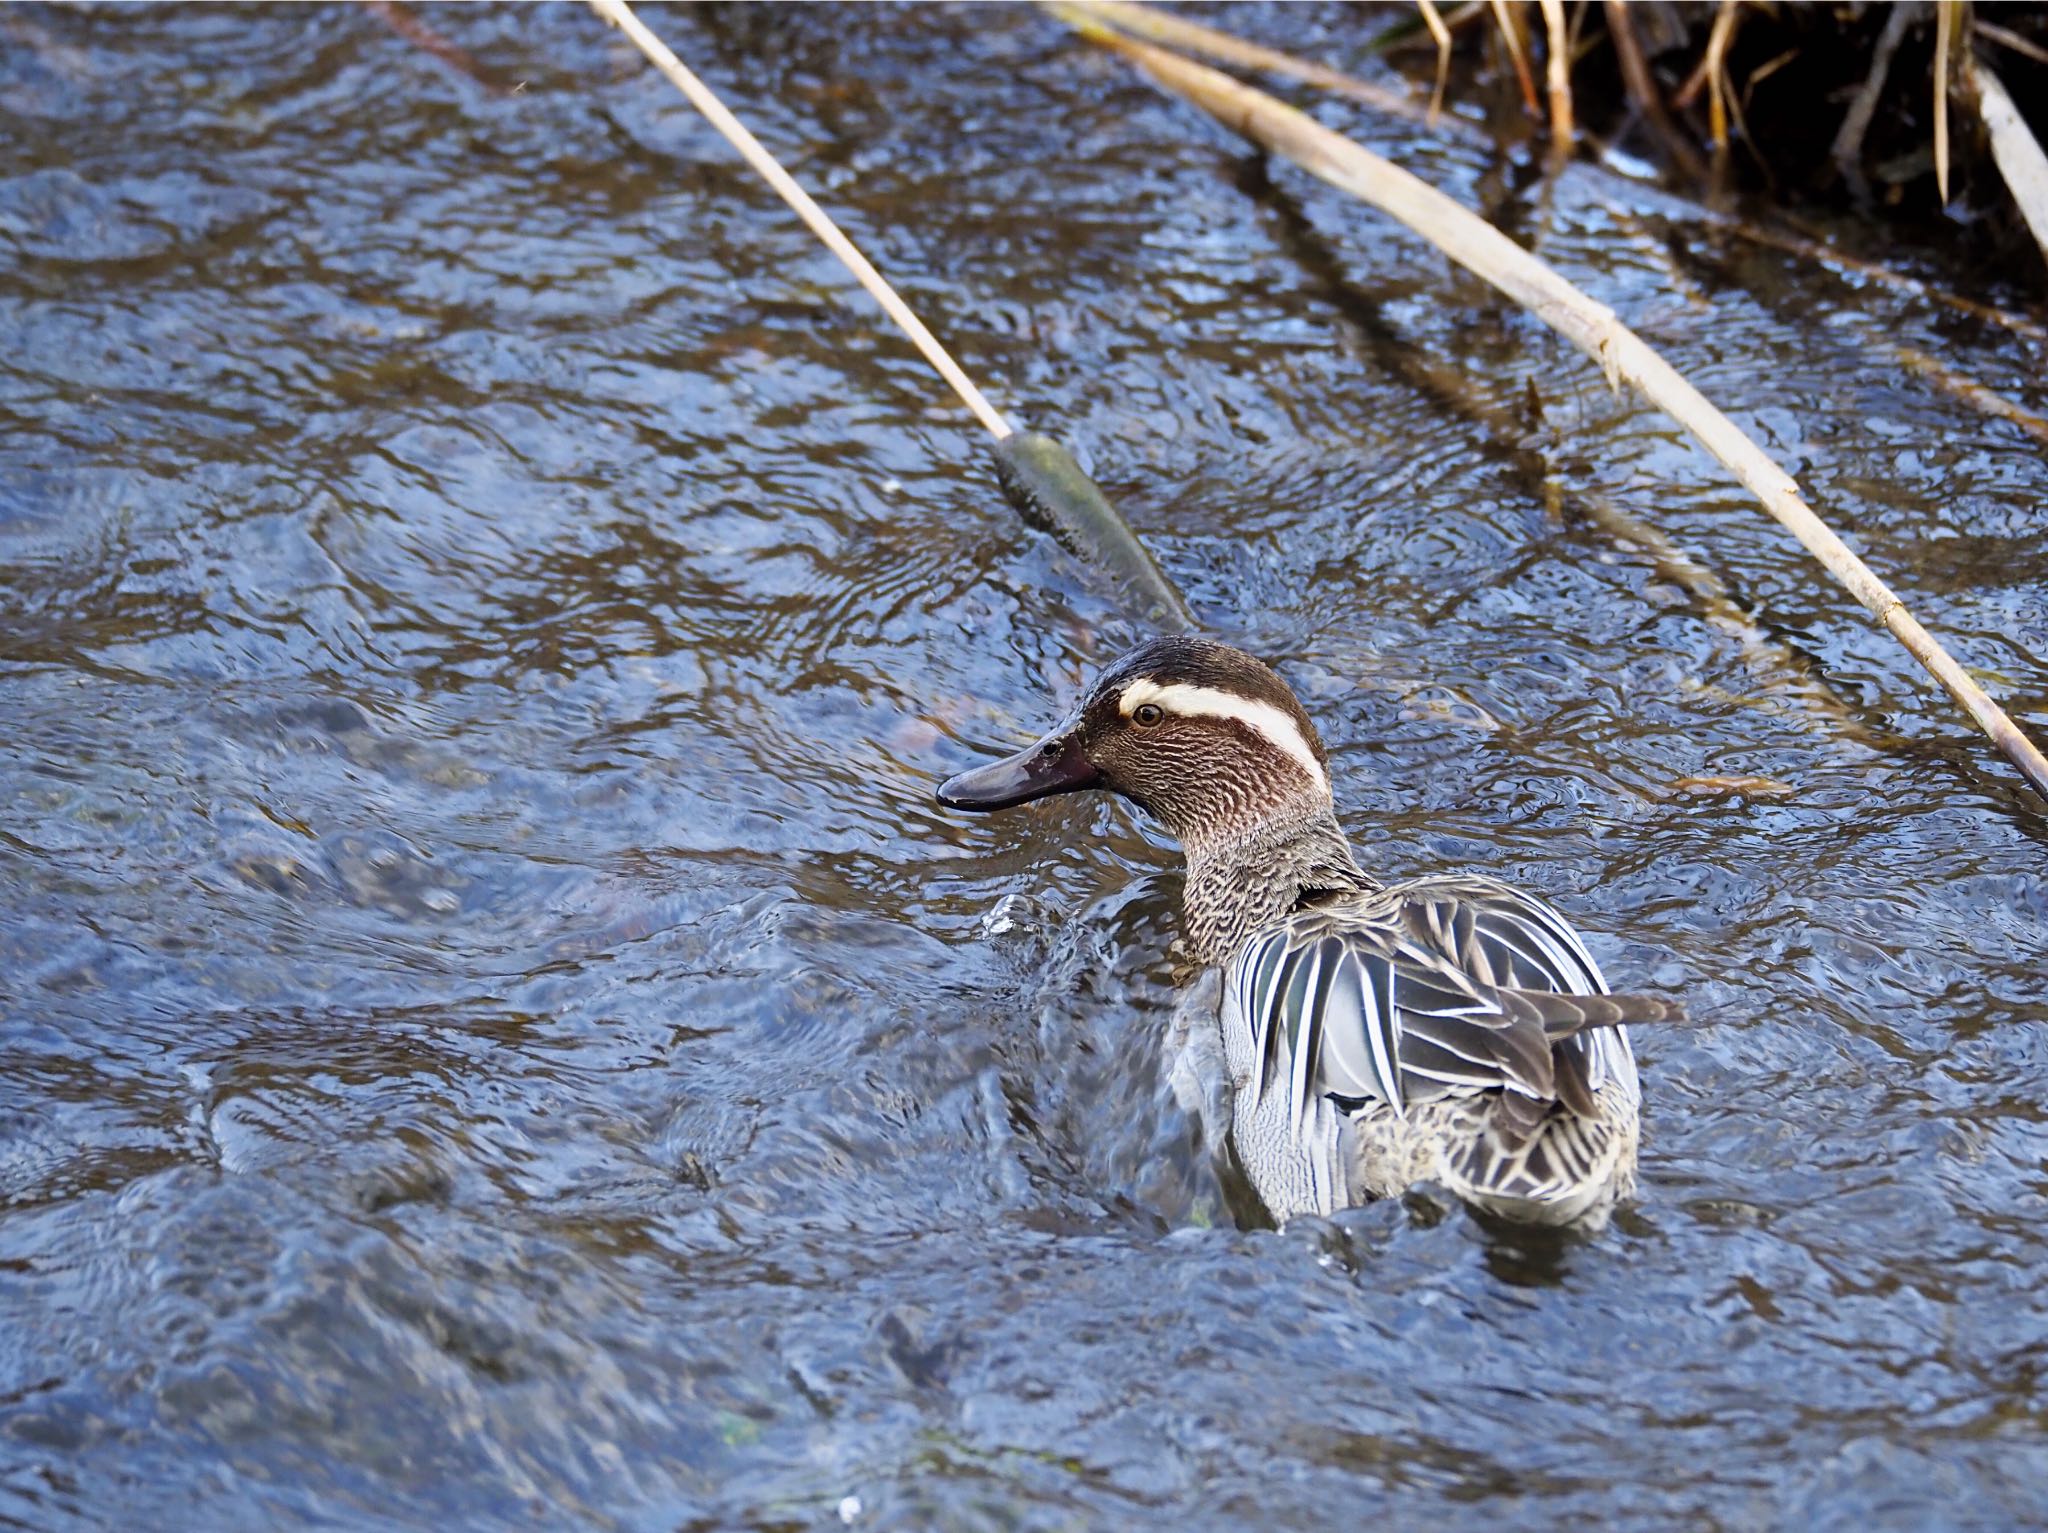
(1438, 988)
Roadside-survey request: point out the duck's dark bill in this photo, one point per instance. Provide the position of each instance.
(1055, 764)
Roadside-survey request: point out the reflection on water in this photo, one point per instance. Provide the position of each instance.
(496, 1031)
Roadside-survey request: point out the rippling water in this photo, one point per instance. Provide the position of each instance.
(496, 1031)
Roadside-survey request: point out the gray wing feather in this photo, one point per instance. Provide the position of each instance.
(1307, 1019)
(1350, 1043)
(1357, 1031)
(1255, 976)
(1440, 987)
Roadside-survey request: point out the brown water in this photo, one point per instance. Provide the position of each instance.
(496, 1031)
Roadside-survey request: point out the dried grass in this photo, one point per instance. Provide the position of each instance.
(2016, 152)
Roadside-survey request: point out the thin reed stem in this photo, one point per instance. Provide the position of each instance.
(1558, 76)
(2016, 151)
(701, 97)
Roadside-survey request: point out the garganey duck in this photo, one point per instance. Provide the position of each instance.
(1449, 1029)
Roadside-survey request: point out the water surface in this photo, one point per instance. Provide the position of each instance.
(496, 1032)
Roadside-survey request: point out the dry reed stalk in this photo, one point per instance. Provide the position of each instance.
(1164, 27)
(1459, 15)
(1623, 356)
(1789, 685)
(2006, 38)
(1642, 90)
(1764, 71)
(815, 218)
(1944, 40)
(1782, 675)
(2016, 152)
(1847, 151)
(1511, 33)
(1717, 71)
(1442, 34)
(1558, 76)
(1972, 393)
(1827, 255)
(1689, 90)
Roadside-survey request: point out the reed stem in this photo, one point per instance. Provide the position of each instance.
(701, 97)
(2016, 151)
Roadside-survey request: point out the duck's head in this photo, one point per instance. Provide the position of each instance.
(1208, 740)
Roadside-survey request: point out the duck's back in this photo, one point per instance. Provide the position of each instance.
(1451, 1029)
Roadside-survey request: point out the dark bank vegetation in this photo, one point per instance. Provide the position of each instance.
(1880, 110)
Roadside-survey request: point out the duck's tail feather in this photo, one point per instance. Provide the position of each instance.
(1561, 1016)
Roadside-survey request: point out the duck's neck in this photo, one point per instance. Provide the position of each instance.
(1244, 878)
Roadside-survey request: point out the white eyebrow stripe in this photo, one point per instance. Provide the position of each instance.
(1190, 701)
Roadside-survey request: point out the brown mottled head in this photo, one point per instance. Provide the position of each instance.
(1206, 738)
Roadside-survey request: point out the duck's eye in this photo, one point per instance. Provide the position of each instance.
(1147, 714)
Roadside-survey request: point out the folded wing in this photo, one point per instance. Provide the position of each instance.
(1440, 987)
